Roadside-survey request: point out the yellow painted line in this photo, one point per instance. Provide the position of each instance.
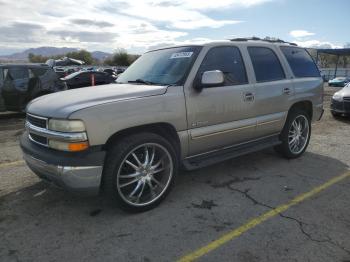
(14, 163)
(258, 220)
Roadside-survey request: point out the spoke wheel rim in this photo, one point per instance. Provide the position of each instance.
(298, 134)
(145, 174)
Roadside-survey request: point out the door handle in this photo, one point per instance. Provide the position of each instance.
(248, 97)
(286, 90)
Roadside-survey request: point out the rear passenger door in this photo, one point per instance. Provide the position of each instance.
(224, 115)
(273, 90)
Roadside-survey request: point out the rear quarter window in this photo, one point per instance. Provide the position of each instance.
(300, 62)
(267, 66)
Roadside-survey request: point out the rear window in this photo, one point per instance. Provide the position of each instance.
(300, 62)
(266, 64)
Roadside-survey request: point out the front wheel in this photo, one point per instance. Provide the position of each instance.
(139, 171)
(295, 136)
(335, 114)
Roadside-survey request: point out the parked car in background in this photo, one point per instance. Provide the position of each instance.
(63, 71)
(339, 81)
(24, 82)
(341, 102)
(188, 106)
(87, 78)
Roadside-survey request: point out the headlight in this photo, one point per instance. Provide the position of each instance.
(66, 125)
(338, 97)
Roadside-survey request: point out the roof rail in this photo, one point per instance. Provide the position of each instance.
(254, 38)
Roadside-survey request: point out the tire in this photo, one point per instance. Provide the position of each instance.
(131, 183)
(288, 148)
(335, 114)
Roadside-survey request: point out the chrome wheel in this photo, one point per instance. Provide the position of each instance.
(298, 134)
(145, 174)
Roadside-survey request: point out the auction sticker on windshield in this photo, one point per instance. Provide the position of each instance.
(181, 55)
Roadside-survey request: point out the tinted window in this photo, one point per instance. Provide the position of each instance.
(228, 60)
(18, 73)
(266, 65)
(300, 62)
(1, 76)
(38, 71)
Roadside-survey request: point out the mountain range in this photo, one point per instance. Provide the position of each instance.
(50, 51)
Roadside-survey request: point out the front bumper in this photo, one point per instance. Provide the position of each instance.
(77, 172)
(342, 107)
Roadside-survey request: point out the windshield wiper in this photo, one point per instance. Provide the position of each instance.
(141, 81)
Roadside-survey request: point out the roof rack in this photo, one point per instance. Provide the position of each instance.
(266, 39)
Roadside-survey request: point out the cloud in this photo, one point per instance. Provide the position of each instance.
(110, 24)
(89, 22)
(300, 33)
(85, 36)
(317, 44)
(21, 31)
(178, 14)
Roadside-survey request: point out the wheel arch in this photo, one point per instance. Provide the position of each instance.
(163, 129)
(305, 105)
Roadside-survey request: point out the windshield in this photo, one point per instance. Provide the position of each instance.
(161, 67)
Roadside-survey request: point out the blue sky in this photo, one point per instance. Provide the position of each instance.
(140, 25)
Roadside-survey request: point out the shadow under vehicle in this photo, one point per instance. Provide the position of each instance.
(24, 82)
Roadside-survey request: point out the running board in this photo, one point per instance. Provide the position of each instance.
(228, 153)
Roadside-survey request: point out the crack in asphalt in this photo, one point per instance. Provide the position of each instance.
(298, 221)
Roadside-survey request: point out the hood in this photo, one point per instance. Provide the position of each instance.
(344, 92)
(62, 104)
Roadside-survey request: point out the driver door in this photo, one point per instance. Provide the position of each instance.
(224, 115)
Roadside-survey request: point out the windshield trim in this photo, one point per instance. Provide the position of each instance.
(171, 47)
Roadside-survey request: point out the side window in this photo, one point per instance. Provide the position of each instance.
(267, 66)
(228, 60)
(1, 76)
(18, 73)
(300, 62)
(37, 72)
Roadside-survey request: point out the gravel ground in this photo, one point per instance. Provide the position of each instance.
(42, 223)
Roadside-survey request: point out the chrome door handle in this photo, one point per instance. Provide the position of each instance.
(286, 90)
(248, 97)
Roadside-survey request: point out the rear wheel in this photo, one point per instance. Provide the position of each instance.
(139, 171)
(296, 133)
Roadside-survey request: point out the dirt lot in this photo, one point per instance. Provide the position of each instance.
(41, 223)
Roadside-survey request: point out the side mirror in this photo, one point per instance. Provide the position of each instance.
(210, 79)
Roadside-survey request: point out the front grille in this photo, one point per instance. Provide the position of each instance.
(347, 98)
(37, 121)
(38, 139)
(337, 105)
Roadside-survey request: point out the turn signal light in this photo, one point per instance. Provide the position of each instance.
(69, 146)
(73, 147)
